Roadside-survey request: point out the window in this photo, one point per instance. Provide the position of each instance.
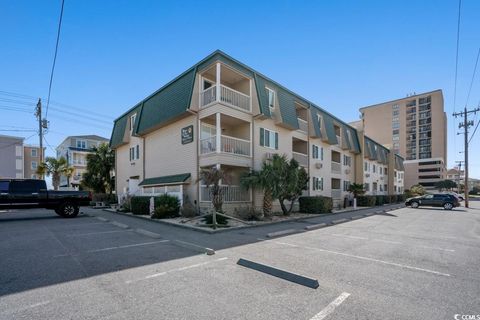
(26, 186)
(396, 137)
(380, 170)
(271, 98)
(346, 185)
(34, 153)
(374, 186)
(132, 122)
(315, 154)
(395, 107)
(367, 186)
(385, 171)
(347, 161)
(319, 118)
(34, 176)
(395, 113)
(4, 186)
(34, 165)
(268, 138)
(395, 119)
(317, 183)
(395, 125)
(365, 166)
(374, 168)
(381, 187)
(135, 153)
(396, 131)
(81, 144)
(385, 187)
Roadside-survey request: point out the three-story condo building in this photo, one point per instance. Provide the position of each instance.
(75, 149)
(223, 113)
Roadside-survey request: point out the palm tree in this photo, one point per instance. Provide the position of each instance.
(100, 165)
(261, 180)
(212, 177)
(55, 168)
(357, 189)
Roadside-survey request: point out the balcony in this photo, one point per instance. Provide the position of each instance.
(79, 162)
(227, 145)
(336, 167)
(224, 85)
(231, 194)
(302, 125)
(336, 194)
(301, 158)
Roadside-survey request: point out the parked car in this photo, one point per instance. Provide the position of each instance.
(31, 193)
(459, 196)
(445, 200)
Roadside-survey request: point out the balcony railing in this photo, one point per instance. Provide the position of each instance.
(228, 145)
(230, 193)
(302, 125)
(235, 145)
(79, 162)
(301, 158)
(336, 194)
(336, 167)
(227, 95)
(208, 145)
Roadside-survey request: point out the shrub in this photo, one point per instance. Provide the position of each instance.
(401, 198)
(366, 201)
(220, 219)
(392, 198)
(379, 200)
(140, 205)
(248, 213)
(188, 210)
(104, 197)
(166, 206)
(316, 204)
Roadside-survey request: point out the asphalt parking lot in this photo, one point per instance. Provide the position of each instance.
(401, 264)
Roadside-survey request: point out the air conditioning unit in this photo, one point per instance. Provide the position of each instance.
(318, 165)
(347, 171)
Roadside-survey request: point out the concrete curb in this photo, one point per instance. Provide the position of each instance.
(194, 247)
(120, 225)
(148, 233)
(193, 228)
(339, 221)
(315, 226)
(279, 273)
(281, 233)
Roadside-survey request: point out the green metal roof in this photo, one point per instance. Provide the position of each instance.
(399, 163)
(174, 98)
(173, 179)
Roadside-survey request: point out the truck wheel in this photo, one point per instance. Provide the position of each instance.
(68, 210)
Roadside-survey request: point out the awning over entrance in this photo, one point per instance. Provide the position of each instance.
(166, 180)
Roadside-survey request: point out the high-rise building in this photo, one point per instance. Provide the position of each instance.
(416, 128)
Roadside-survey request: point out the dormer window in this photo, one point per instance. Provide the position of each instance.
(81, 144)
(271, 98)
(319, 118)
(132, 122)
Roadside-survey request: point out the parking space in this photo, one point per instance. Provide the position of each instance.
(412, 264)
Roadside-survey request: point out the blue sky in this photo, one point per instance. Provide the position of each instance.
(340, 54)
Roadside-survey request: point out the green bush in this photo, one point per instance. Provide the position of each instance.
(392, 198)
(166, 206)
(401, 198)
(104, 197)
(140, 205)
(379, 200)
(316, 204)
(366, 201)
(220, 219)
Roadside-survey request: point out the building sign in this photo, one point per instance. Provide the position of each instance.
(187, 134)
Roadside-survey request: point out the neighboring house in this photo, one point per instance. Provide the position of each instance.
(11, 157)
(75, 149)
(222, 113)
(416, 128)
(32, 156)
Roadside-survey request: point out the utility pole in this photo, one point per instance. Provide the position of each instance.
(38, 114)
(465, 125)
(459, 174)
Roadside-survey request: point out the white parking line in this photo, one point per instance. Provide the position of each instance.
(331, 307)
(127, 246)
(100, 232)
(159, 274)
(348, 236)
(404, 266)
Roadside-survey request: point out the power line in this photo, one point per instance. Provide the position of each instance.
(11, 144)
(54, 57)
(456, 74)
(473, 77)
(52, 102)
(475, 130)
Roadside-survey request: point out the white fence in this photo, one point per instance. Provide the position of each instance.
(230, 194)
(235, 145)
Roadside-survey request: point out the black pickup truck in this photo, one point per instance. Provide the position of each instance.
(31, 193)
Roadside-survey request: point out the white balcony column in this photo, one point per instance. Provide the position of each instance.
(218, 72)
(218, 132)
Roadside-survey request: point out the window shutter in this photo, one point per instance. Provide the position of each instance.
(262, 137)
(138, 151)
(130, 154)
(276, 140)
(321, 150)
